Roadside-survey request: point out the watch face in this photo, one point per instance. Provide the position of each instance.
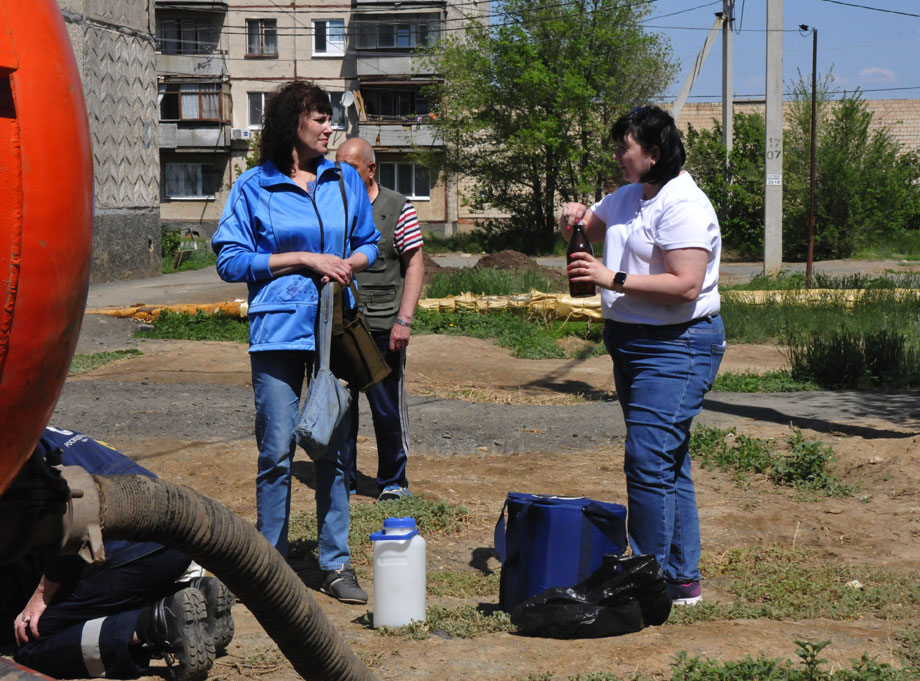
(620, 278)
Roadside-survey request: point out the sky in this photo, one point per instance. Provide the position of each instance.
(875, 51)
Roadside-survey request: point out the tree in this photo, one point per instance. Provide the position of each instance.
(866, 189)
(737, 197)
(525, 106)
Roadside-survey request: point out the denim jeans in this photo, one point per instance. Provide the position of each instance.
(661, 375)
(277, 379)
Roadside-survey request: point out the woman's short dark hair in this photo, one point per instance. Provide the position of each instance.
(653, 127)
(282, 118)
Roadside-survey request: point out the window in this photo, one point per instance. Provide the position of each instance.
(257, 102)
(410, 179)
(261, 38)
(189, 181)
(408, 34)
(186, 36)
(194, 102)
(329, 37)
(339, 116)
(400, 105)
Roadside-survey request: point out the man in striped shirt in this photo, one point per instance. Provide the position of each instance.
(389, 291)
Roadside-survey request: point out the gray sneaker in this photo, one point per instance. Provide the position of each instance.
(343, 585)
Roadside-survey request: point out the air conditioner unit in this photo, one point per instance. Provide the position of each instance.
(239, 134)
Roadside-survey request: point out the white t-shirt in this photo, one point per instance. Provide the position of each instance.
(680, 216)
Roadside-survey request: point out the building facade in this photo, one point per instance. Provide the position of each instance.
(114, 49)
(219, 62)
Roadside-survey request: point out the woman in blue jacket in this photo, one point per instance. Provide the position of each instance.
(291, 224)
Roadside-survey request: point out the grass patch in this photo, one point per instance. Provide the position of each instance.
(182, 252)
(780, 583)
(810, 667)
(490, 281)
(801, 464)
(178, 326)
(433, 518)
(83, 363)
(465, 621)
(768, 382)
(463, 584)
(791, 281)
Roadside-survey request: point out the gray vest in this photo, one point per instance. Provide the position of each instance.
(380, 286)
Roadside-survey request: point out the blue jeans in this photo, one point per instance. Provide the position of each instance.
(661, 375)
(277, 379)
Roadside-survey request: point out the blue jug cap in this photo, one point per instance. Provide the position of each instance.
(391, 527)
(397, 523)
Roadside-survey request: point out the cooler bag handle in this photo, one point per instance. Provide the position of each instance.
(502, 551)
(608, 522)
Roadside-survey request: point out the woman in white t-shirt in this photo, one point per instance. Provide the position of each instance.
(660, 301)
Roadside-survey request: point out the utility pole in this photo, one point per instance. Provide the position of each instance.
(773, 191)
(812, 173)
(728, 91)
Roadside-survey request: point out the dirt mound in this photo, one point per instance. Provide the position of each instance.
(508, 260)
(517, 262)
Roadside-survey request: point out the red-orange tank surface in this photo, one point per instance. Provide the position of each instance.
(46, 220)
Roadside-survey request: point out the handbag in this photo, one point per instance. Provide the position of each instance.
(324, 420)
(356, 358)
(355, 355)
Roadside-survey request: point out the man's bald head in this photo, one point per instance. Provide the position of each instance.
(357, 153)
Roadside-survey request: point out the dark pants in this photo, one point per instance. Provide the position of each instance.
(87, 630)
(387, 400)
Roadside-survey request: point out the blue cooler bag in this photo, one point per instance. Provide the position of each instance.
(553, 541)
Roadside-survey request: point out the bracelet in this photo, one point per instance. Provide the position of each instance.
(403, 322)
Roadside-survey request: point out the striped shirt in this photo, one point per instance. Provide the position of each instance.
(408, 235)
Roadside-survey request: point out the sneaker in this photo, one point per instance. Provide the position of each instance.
(218, 601)
(176, 631)
(343, 585)
(687, 593)
(394, 493)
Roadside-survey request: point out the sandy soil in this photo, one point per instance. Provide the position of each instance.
(485, 424)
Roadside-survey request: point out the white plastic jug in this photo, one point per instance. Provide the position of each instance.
(399, 573)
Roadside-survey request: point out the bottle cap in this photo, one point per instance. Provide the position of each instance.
(399, 524)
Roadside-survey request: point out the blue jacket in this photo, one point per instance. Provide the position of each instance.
(268, 213)
(97, 458)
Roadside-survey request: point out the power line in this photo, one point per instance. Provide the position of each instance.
(874, 9)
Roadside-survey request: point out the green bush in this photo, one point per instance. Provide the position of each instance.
(855, 359)
(169, 244)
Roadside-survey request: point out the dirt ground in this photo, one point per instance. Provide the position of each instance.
(485, 424)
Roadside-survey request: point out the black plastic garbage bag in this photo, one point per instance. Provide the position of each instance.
(622, 596)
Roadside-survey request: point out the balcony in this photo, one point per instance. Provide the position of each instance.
(182, 137)
(192, 4)
(374, 66)
(212, 65)
(397, 135)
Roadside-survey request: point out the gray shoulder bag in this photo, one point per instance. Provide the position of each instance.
(324, 418)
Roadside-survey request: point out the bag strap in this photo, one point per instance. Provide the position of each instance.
(503, 551)
(323, 335)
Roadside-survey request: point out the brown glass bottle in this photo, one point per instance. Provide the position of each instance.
(579, 244)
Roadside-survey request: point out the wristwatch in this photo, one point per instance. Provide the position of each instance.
(403, 322)
(618, 280)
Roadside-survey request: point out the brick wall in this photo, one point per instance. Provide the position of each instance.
(900, 116)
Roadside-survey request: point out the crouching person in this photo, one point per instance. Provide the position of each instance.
(108, 620)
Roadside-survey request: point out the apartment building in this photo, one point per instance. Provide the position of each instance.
(219, 62)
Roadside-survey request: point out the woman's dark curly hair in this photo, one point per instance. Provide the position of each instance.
(653, 127)
(282, 118)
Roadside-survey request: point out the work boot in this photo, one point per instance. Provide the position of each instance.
(218, 601)
(175, 628)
